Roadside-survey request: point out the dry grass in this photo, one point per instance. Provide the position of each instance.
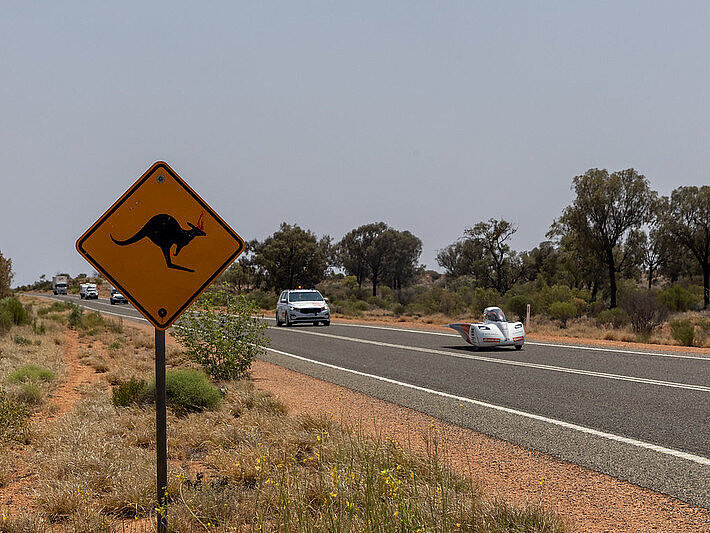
(245, 466)
(587, 328)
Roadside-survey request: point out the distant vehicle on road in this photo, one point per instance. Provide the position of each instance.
(60, 284)
(495, 330)
(117, 298)
(88, 291)
(302, 305)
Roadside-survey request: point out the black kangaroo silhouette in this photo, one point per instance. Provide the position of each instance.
(164, 231)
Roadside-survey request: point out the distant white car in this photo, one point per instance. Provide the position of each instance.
(302, 306)
(495, 330)
(117, 298)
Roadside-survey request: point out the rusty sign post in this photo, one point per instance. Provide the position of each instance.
(161, 245)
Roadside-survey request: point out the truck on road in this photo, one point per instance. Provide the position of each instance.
(60, 284)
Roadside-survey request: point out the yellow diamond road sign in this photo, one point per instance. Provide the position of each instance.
(160, 245)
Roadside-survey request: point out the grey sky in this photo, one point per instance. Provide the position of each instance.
(429, 116)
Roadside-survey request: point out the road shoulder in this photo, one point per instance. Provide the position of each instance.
(592, 501)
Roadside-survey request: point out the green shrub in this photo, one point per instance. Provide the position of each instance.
(30, 394)
(581, 305)
(354, 307)
(186, 391)
(132, 391)
(563, 311)
(596, 307)
(261, 299)
(616, 318)
(31, 373)
(676, 298)
(483, 298)
(13, 418)
(5, 321)
(645, 311)
(38, 328)
(704, 326)
(190, 390)
(92, 323)
(224, 340)
(75, 316)
(518, 306)
(398, 309)
(17, 311)
(22, 341)
(115, 345)
(378, 301)
(440, 300)
(683, 331)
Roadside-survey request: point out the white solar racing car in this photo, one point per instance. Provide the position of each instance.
(495, 330)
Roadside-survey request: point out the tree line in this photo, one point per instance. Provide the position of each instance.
(292, 256)
(617, 227)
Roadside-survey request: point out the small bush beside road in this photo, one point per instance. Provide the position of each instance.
(683, 331)
(29, 373)
(221, 333)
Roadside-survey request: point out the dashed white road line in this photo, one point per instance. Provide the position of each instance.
(602, 434)
(495, 360)
(533, 343)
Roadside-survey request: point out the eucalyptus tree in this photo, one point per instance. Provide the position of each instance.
(686, 219)
(607, 210)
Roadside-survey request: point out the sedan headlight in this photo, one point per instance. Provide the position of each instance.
(291, 308)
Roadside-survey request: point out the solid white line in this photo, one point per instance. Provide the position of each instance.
(80, 304)
(496, 360)
(630, 352)
(609, 436)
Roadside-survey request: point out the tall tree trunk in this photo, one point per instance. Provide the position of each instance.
(612, 278)
(706, 285)
(374, 284)
(650, 278)
(595, 289)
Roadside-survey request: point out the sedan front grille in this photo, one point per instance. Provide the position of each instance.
(313, 310)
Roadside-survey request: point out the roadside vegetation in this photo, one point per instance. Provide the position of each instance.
(237, 460)
(620, 263)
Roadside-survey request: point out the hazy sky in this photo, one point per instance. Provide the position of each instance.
(430, 116)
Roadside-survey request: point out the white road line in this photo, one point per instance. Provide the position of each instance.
(496, 360)
(80, 304)
(609, 436)
(630, 352)
(534, 343)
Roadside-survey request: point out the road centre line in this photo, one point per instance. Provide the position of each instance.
(510, 362)
(534, 343)
(609, 436)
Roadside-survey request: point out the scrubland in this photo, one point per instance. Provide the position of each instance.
(72, 460)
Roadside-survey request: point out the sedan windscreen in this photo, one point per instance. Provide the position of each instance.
(314, 296)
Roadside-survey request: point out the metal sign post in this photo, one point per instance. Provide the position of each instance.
(161, 246)
(161, 439)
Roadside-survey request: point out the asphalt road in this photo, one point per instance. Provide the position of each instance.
(641, 416)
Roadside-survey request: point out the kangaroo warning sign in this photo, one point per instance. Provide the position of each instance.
(160, 245)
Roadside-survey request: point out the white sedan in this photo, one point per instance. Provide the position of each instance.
(495, 330)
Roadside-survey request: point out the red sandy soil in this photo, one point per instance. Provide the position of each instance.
(589, 501)
(17, 494)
